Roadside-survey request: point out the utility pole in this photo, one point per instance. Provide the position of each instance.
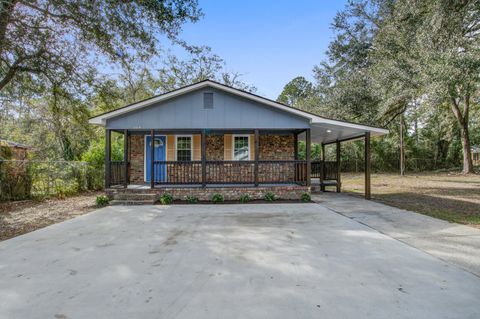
(402, 146)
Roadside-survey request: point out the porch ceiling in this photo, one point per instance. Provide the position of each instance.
(212, 131)
(321, 132)
(324, 132)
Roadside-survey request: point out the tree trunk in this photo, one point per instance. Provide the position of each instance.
(467, 152)
(462, 120)
(415, 122)
(402, 147)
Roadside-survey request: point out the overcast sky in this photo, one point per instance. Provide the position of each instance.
(270, 42)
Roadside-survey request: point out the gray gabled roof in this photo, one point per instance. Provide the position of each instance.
(315, 121)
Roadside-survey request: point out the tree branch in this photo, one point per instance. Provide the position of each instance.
(16, 67)
(456, 110)
(49, 13)
(6, 9)
(8, 77)
(466, 107)
(400, 112)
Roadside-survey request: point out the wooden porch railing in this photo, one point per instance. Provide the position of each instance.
(178, 172)
(230, 172)
(278, 172)
(327, 168)
(117, 176)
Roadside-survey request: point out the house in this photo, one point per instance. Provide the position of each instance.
(15, 181)
(17, 151)
(476, 155)
(211, 138)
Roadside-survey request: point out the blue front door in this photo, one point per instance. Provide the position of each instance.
(160, 168)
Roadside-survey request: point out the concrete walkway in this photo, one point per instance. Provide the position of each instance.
(226, 261)
(454, 243)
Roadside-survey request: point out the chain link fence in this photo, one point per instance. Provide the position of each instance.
(393, 165)
(39, 179)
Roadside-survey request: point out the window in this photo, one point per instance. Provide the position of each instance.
(208, 100)
(241, 149)
(184, 148)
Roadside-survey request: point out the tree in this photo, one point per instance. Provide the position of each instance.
(60, 41)
(394, 71)
(343, 81)
(430, 50)
(449, 40)
(295, 91)
(390, 58)
(201, 64)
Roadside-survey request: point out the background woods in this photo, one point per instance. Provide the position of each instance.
(412, 66)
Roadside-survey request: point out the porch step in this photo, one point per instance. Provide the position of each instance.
(127, 198)
(129, 190)
(131, 202)
(135, 196)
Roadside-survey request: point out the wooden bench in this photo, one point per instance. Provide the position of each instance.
(322, 184)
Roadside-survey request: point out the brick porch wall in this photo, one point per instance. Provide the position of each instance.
(287, 192)
(136, 151)
(272, 147)
(214, 147)
(276, 147)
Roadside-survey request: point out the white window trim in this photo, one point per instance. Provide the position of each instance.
(145, 154)
(233, 146)
(191, 145)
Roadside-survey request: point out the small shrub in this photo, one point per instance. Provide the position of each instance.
(245, 198)
(269, 197)
(217, 198)
(305, 197)
(166, 199)
(102, 200)
(191, 199)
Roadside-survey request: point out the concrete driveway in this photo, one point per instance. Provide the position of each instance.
(454, 243)
(226, 261)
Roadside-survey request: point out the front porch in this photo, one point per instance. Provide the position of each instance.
(323, 174)
(283, 175)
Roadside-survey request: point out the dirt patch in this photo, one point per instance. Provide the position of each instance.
(449, 196)
(21, 217)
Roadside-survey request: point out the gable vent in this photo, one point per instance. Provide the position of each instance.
(208, 100)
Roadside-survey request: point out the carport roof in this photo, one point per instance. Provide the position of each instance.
(323, 130)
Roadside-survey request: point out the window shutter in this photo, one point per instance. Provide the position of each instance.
(197, 147)
(170, 147)
(252, 147)
(227, 147)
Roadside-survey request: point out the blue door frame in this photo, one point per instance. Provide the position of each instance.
(160, 155)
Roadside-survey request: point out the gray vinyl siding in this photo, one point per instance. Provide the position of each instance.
(187, 112)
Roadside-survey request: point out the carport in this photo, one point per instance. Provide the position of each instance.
(333, 132)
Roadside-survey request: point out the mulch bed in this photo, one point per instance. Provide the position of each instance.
(20, 217)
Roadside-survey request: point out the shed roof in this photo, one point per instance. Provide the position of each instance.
(13, 144)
